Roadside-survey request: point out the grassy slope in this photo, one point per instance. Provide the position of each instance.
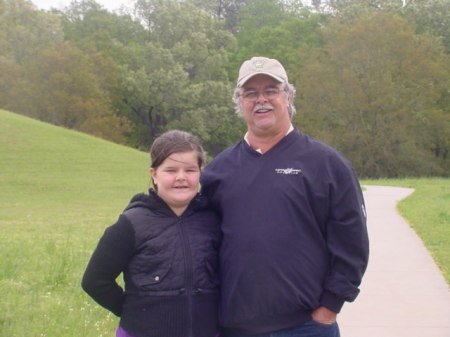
(59, 189)
(427, 210)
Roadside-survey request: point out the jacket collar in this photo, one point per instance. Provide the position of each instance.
(153, 202)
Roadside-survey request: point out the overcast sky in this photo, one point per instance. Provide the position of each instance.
(60, 4)
(109, 4)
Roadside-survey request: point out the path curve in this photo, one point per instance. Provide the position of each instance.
(403, 293)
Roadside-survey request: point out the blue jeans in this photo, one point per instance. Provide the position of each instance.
(308, 329)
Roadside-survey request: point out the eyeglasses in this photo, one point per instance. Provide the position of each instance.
(252, 95)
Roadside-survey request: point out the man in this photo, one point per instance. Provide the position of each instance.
(295, 242)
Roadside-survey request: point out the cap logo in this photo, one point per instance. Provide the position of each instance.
(259, 64)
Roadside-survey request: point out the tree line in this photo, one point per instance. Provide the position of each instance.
(372, 76)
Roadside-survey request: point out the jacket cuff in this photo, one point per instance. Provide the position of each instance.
(332, 302)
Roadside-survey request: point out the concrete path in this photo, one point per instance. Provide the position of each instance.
(403, 294)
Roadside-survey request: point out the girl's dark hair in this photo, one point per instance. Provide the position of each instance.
(174, 141)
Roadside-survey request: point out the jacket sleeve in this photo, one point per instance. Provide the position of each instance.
(209, 185)
(347, 240)
(108, 260)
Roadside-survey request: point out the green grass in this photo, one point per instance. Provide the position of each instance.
(427, 210)
(59, 189)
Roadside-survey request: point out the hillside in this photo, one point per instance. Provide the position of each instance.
(59, 189)
(42, 164)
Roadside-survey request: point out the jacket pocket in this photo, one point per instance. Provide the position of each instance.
(149, 270)
(212, 271)
(206, 274)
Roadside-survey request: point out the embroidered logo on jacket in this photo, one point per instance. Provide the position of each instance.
(287, 171)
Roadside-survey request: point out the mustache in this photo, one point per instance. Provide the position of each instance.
(263, 106)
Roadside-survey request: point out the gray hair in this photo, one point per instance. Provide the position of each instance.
(289, 89)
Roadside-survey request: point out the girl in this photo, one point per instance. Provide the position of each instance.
(166, 245)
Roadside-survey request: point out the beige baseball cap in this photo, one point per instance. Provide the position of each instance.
(261, 65)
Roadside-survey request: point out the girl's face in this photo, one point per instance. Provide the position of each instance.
(177, 180)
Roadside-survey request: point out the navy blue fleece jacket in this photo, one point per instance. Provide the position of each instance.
(294, 232)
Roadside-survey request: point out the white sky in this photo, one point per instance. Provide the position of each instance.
(61, 4)
(108, 4)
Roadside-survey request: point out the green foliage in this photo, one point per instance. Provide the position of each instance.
(92, 28)
(24, 29)
(226, 11)
(185, 49)
(431, 17)
(197, 42)
(23, 32)
(62, 89)
(209, 114)
(347, 10)
(55, 81)
(257, 14)
(172, 63)
(372, 91)
(277, 31)
(283, 41)
(155, 91)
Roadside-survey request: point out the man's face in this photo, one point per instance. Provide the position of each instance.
(264, 105)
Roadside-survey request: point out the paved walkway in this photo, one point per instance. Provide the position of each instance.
(403, 294)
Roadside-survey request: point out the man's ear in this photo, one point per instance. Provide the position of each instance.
(290, 98)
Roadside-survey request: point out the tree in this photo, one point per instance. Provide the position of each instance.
(431, 17)
(348, 9)
(281, 41)
(276, 29)
(210, 115)
(109, 40)
(11, 80)
(153, 92)
(162, 77)
(198, 43)
(23, 29)
(88, 25)
(226, 11)
(373, 92)
(62, 89)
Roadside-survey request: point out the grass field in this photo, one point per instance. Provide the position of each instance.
(59, 189)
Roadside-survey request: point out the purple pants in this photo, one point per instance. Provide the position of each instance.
(122, 333)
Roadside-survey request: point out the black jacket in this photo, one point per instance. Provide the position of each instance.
(169, 264)
(294, 232)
